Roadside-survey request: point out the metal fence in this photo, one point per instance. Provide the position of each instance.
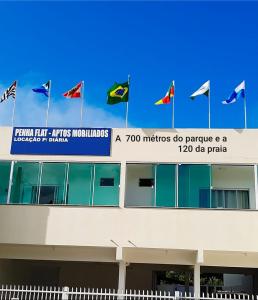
(65, 293)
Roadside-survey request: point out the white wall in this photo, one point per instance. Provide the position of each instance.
(221, 230)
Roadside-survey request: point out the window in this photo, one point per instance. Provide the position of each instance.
(204, 198)
(61, 183)
(165, 185)
(231, 186)
(5, 168)
(106, 194)
(93, 184)
(25, 183)
(107, 181)
(52, 189)
(137, 195)
(150, 185)
(230, 198)
(193, 185)
(79, 188)
(28, 187)
(146, 182)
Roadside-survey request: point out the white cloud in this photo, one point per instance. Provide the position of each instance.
(31, 111)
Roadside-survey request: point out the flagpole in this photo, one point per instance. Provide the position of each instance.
(173, 106)
(209, 104)
(245, 110)
(14, 104)
(126, 111)
(82, 100)
(48, 102)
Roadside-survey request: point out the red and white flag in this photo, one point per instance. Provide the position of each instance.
(75, 92)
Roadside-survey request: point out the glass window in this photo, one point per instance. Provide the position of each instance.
(233, 186)
(243, 199)
(5, 167)
(106, 195)
(53, 183)
(218, 199)
(165, 185)
(230, 199)
(194, 185)
(137, 195)
(80, 184)
(151, 185)
(25, 183)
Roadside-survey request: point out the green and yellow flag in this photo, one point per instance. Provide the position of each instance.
(119, 92)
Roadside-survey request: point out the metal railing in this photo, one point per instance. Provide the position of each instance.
(64, 293)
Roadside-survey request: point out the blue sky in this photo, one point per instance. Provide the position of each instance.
(154, 42)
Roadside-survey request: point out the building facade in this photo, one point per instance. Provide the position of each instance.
(166, 210)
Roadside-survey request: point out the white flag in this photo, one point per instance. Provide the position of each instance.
(203, 90)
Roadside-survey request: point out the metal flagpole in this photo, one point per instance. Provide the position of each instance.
(245, 109)
(126, 115)
(14, 104)
(82, 100)
(173, 106)
(126, 112)
(48, 102)
(209, 100)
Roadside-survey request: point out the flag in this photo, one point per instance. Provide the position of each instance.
(75, 92)
(203, 90)
(119, 92)
(238, 92)
(170, 94)
(11, 91)
(44, 89)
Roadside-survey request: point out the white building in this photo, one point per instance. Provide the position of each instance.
(168, 209)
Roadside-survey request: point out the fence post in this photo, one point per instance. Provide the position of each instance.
(177, 295)
(65, 293)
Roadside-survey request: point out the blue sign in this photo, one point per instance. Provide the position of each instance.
(61, 141)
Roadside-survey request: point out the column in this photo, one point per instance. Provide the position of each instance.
(122, 276)
(122, 269)
(197, 280)
(122, 184)
(197, 272)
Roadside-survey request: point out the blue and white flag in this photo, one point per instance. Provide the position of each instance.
(237, 93)
(44, 89)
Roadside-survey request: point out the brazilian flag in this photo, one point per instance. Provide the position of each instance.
(119, 92)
